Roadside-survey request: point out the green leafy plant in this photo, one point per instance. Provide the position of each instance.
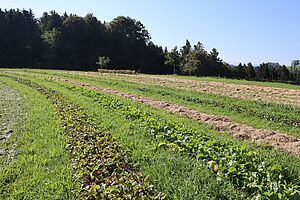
(248, 171)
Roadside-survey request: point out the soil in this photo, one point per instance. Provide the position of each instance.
(279, 141)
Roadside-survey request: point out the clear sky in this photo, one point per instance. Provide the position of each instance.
(242, 30)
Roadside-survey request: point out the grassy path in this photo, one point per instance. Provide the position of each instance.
(10, 110)
(10, 114)
(41, 168)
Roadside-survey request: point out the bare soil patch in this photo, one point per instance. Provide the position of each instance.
(279, 141)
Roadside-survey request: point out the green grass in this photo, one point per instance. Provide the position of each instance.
(276, 117)
(178, 174)
(266, 154)
(41, 167)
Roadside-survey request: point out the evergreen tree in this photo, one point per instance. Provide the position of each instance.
(249, 71)
(240, 71)
(186, 49)
(281, 73)
(173, 58)
(263, 72)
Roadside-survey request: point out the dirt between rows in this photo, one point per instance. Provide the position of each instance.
(243, 132)
(249, 92)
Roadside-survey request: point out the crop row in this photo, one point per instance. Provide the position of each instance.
(280, 113)
(103, 168)
(257, 109)
(248, 170)
(285, 114)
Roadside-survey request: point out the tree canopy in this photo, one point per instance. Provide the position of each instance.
(68, 41)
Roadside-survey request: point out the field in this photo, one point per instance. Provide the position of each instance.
(91, 135)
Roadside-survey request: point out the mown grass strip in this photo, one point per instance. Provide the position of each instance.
(10, 116)
(10, 109)
(244, 168)
(102, 166)
(40, 168)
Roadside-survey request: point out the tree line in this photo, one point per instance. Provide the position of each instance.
(71, 42)
(267, 72)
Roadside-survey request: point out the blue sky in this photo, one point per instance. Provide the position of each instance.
(242, 30)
